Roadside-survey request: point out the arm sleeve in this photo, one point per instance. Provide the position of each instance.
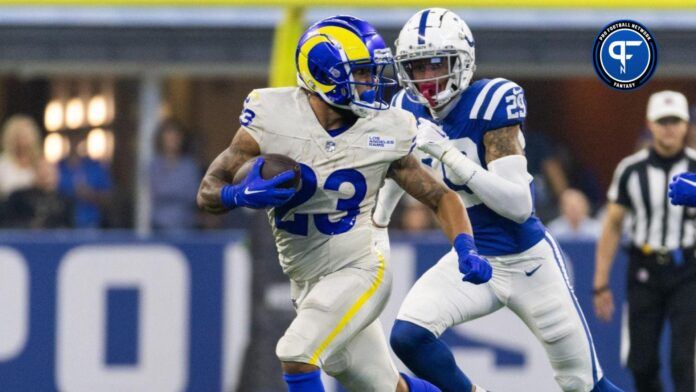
(504, 188)
(387, 199)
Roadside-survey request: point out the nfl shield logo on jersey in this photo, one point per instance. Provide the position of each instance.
(330, 146)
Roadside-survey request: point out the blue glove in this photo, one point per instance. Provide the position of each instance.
(474, 267)
(682, 190)
(255, 192)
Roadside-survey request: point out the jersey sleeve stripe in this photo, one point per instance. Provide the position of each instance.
(495, 101)
(482, 97)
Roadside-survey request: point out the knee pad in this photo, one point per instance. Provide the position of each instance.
(573, 374)
(552, 320)
(293, 347)
(337, 363)
(424, 310)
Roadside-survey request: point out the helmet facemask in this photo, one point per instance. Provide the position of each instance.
(428, 91)
(364, 103)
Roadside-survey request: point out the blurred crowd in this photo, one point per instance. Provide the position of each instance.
(78, 192)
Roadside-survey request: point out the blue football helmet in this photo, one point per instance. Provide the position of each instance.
(329, 55)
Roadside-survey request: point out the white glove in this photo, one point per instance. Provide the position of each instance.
(432, 140)
(380, 240)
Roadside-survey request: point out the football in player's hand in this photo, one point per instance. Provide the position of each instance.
(273, 165)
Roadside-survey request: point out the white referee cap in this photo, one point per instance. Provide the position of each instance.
(667, 104)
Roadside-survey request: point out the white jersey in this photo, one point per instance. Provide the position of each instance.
(327, 224)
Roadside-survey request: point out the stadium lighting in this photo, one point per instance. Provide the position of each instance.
(100, 144)
(97, 111)
(53, 116)
(55, 147)
(74, 113)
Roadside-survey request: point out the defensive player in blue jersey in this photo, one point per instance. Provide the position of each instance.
(472, 135)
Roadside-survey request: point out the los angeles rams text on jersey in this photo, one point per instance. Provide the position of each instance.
(484, 106)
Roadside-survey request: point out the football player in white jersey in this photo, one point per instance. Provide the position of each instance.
(471, 134)
(337, 126)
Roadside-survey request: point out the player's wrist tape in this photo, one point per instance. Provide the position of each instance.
(228, 196)
(465, 167)
(464, 243)
(601, 289)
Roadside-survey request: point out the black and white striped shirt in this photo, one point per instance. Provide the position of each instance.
(640, 184)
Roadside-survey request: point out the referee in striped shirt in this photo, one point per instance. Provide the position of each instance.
(661, 277)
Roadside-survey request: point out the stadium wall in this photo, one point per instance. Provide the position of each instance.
(113, 312)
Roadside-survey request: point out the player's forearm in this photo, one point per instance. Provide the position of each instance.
(387, 199)
(208, 197)
(222, 171)
(452, 216)
(504, 188)
(606, 249)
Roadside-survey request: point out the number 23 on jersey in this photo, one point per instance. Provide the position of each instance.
(299, 223)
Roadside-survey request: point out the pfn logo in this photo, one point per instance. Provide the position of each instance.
(621, 54)
(625, 55)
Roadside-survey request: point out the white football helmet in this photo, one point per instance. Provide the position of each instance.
(436, 34)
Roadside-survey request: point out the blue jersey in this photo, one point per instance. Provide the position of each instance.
(484, 106)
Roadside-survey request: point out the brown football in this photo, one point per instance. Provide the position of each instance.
(273, 165)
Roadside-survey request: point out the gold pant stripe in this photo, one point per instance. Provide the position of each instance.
(351, 312)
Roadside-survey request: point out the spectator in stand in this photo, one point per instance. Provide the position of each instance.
(87, 184)
(575, 222)
(20, 156)
(547, 168)
(41, 206)
(174, 178)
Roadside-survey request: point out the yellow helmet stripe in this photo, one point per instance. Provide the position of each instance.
(353, 46)
(303, 63)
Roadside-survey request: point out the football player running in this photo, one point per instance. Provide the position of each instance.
(471, 134)
(347, 140)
